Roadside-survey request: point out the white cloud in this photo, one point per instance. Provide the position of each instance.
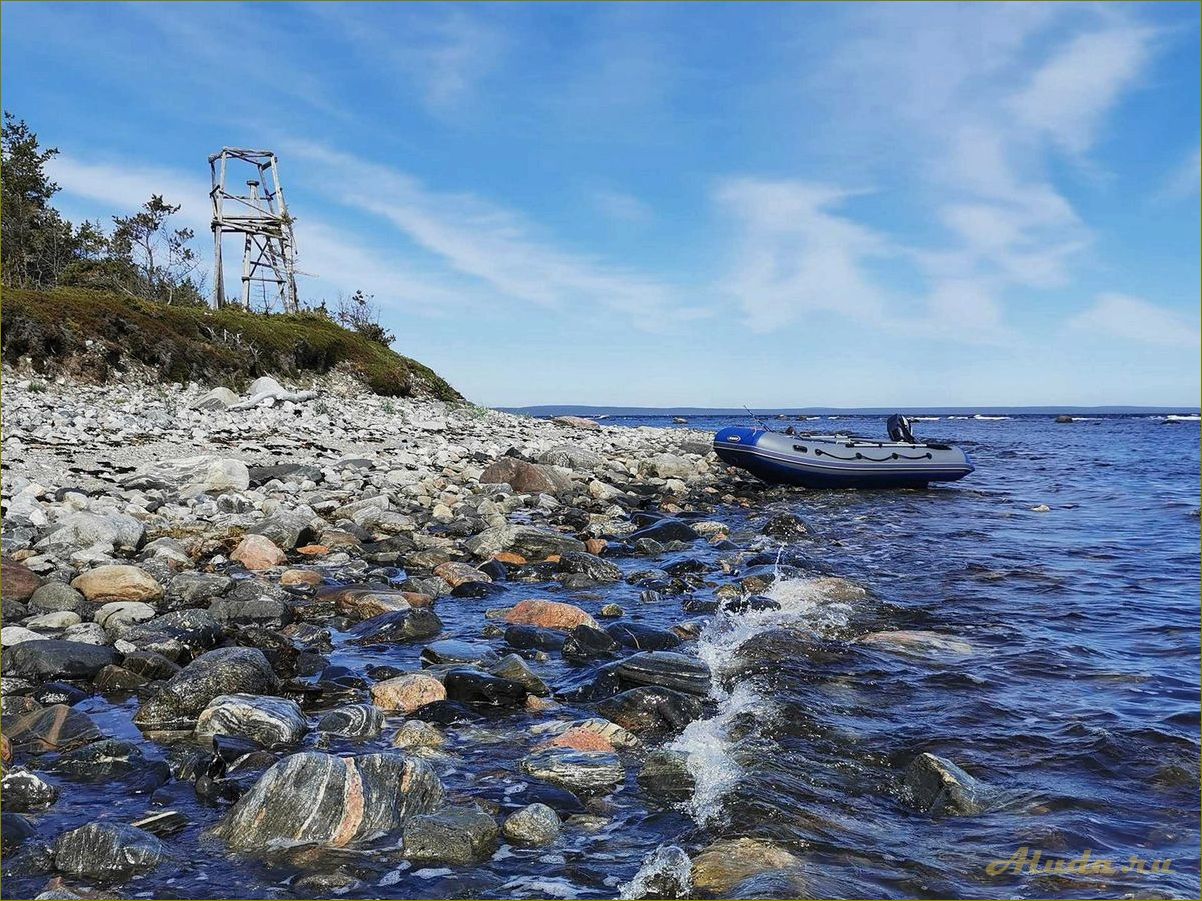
(796, 254)
(442, 51)
(494, 245)
(1135, 319)
(1068, 97)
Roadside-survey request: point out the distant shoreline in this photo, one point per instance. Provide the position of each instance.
(591, 410)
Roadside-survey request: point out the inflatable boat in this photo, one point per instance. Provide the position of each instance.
(839, 461)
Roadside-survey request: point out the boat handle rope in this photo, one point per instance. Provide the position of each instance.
(859, 456)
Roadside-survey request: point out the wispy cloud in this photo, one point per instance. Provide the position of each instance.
(620, 206)
(443, 52)
(1184, 180)
(497, 246)
(1135, 319)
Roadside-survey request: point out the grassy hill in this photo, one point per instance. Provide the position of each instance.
(213, 347)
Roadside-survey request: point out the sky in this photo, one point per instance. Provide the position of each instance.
(672, 204)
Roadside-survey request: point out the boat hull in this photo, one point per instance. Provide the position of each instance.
(839, 462)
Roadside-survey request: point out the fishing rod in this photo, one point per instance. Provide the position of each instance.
(763, 425)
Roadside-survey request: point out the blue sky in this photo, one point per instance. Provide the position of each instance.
(669, 204)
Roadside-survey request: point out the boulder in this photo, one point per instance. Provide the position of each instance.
(652, 709)
(577, 422)
(526, 478)
(107, 852)
(571, 456)
(528, 541)
(917, 643)
(452, 650)
(263, 610)
(459, 835)
(938, 786)
(219, 672)
(404, 694)
(467, 686)
(192, 589)
(515, 669)
(56, 596)
(118, 582)
(727, 862)
(352, 721)
(418, 735)
(274, 723)
(589, 565)
(258, 552)
(534, 825)
(54, 729)
(83, 529)
(549, 615)
(10, 636)
(118, 616)
(40, 661)
(286, 529)
(642, 637)
(364, 603)
(25, 792)
(456, 574)
(180, 633)
(417, 624)
(665, 774)
(191, 476)
(581, 772)
(17, 581)
(315, 798)
(667, 669)
(665, 530)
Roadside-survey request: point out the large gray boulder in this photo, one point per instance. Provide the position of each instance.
(324, 799)
(41, 661)
(272, 722)
(532, 543)
(109, 531)
(107, 852)
(223, 671)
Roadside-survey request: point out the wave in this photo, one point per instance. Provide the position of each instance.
(926, 418)
(984, 418)
(1183, 417)
(815, 604)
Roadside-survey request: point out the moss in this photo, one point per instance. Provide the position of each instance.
(227, 346)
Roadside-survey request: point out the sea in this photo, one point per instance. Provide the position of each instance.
(1064, 575)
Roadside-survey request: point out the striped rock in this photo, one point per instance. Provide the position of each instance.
(107, 851)
(57, 728)
(611, 732)
(583, 772)
(315, 798)
(222, 671)
(272, 722)
(353, 721)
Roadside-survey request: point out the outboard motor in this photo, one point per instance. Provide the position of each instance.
(899, 429)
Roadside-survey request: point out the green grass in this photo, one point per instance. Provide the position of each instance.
(213, 347)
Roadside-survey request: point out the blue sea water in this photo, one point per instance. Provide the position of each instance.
(1075, 703)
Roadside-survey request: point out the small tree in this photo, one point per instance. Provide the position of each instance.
(360, 313)
(159, 254)
(37, 241)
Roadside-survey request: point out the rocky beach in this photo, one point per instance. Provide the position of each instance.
(307, 641)
(357, 640)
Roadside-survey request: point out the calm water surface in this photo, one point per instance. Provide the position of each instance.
(1078, 706)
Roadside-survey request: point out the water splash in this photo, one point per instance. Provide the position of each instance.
(817, 605)
(666, 873)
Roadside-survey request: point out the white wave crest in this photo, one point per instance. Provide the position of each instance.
(668, 865)
(818, 605)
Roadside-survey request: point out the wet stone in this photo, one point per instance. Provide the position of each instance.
(24, 791)
(515, 669)
(533, 638)
(587, 643)
(666, 669)
(642, 638)
(938, 786)
(56, 659)
(271, 722)
(452, 650)
(353, 721)
(482, 690)
(323, 799)
(57, 728)
(59, 693)
(652, 709)
(534, 825)
(583, 772)
(218, 672)
(459, 835)
(108, 852)
(402, 626)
